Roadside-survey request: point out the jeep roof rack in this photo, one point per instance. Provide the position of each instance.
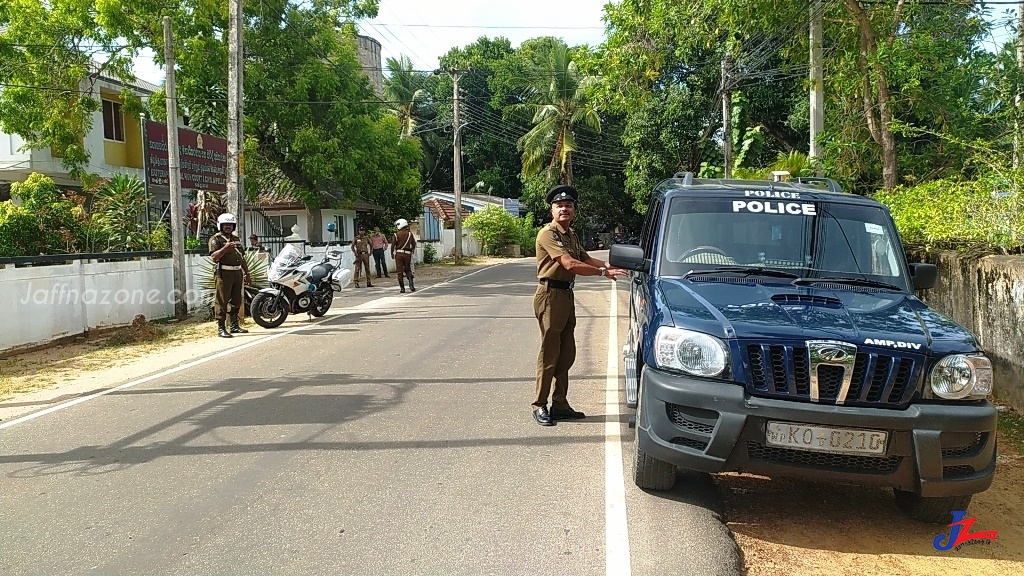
(829, 183)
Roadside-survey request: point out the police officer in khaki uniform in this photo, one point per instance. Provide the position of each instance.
(560, 257)
(361, 248)
(231, 272)
(403, 245)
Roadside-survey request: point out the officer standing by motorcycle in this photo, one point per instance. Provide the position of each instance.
(231, 271)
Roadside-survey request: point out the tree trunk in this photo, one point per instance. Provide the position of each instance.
(875, 80)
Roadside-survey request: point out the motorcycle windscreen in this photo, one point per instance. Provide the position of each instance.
(284, 263)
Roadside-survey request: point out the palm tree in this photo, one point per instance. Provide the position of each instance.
(404, 90)
(558, 100)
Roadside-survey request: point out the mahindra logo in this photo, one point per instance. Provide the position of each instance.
(832, 354)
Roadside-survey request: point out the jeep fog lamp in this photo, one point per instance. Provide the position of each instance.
(958, 376)
(692, 352)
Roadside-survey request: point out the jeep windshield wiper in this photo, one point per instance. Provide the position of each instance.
(851, 281)
(742, 270)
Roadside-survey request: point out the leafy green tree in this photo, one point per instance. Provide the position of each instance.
(405, 90)
(557, 98)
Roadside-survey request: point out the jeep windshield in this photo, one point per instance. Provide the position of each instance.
(811, 240)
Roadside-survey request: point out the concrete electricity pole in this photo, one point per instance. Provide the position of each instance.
(1017, 154)
(817, 80)
(726, 118)
(174, 178)
(235, 198)
(457, 167)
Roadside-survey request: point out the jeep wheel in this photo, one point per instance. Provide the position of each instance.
(652, 474)
(934, 510)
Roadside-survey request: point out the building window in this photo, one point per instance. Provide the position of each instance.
(284, 223)
(113, 121)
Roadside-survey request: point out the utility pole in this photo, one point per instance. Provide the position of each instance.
(457, 167)
(817, 80)
(174, 178)
(726, 118)
(1017, 153)
(235, 197)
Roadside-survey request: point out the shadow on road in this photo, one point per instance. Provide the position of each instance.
(320, 401)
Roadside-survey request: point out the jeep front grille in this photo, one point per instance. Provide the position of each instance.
(879, 380)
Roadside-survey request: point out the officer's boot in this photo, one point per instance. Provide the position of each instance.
(401, 284)
(221, 331)
(235, 328)
(412, 286)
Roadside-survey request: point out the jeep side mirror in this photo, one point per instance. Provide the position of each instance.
(629, 257)
(924, 275)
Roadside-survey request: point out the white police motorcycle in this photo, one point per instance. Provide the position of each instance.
(299, 284)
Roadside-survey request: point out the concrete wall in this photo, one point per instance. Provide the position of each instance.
(42, 303)
(986, 296)
(470, 245)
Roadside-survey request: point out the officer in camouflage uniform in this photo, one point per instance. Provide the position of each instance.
(560, 257)
(231, 272)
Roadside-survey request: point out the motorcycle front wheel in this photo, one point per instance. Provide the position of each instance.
(322, 303)
(267, 310)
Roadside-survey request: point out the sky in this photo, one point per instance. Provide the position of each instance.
(427, 29)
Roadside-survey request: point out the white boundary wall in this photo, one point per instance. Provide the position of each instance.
(41, 303)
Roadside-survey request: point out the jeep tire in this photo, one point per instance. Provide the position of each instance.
(650, 473)
(934, 510)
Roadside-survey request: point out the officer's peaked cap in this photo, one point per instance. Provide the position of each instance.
(562, 192)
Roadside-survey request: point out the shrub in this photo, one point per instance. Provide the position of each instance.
(120, 210)
(528, 235)
(429, 253)
(956, 214)
(494, 227)
(46, 222)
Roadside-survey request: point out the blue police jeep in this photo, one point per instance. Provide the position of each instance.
(774, 329)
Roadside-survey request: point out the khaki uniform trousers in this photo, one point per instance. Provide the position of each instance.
(363, 263)
(403, 265)
(229, 294)
(555, 309)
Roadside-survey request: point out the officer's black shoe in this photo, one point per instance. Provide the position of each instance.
(568, 414)
(236, 329)
(412, 287)
(223, 333)
(542, 417)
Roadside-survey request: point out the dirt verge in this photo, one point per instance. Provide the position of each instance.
(785, 526)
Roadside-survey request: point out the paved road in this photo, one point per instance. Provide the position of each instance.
(395, 438)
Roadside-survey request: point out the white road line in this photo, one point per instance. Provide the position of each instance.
(616, 532)
(378, 303)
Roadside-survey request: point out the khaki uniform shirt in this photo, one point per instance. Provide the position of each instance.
(361, 245)
(404, 240)
(232, 258)
(552, 242)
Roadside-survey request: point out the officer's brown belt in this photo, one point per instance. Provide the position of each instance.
(562, 284)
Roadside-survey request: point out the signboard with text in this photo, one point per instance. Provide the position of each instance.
(203, 159)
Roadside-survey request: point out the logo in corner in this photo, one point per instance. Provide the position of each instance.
(960, 534)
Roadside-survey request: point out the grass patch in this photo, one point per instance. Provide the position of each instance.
(1011, 430)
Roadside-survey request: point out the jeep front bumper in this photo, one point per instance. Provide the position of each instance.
(932, 449)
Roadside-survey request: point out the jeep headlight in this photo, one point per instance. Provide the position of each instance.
(959, 376)
(692, 352)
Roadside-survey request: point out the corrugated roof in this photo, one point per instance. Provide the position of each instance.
(444, 210)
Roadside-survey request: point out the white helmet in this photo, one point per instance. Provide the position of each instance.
(226, 218)
(401, 223)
